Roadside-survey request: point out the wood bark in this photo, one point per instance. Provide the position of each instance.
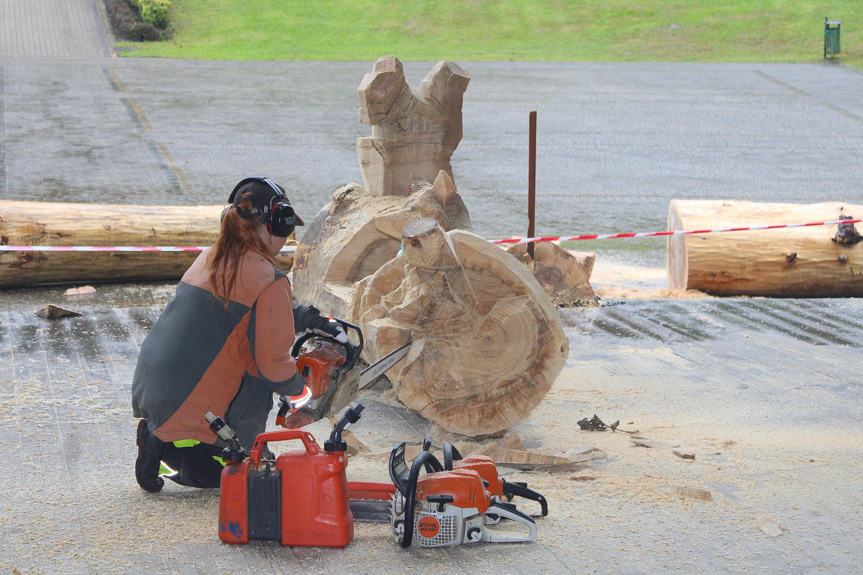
(487, 343)
(66, 224)
(412, 131)
(788, 262)
(560, 274)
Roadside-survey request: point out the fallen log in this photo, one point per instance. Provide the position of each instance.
(66, 224)
(788, 262)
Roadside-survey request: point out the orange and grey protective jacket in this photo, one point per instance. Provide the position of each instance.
(200, 357)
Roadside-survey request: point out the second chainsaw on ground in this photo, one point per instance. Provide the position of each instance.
(443, 508)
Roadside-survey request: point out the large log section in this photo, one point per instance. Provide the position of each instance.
(487, 341)
(57, 224)
(787, 262)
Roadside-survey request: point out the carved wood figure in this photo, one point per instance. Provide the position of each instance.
(487, 343)
(358, 232)
(813, 261)
(561, 274)
(412, 131)
(397, 258)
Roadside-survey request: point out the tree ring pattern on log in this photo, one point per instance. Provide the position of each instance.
(487, 341)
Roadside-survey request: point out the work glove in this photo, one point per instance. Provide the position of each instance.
(307, 319)
(299, 395)
(328, 327)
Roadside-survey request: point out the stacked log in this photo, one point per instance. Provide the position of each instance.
(788, 262)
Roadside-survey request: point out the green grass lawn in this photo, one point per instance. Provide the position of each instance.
(479, 30)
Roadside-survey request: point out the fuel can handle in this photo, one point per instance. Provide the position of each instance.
(312, 447)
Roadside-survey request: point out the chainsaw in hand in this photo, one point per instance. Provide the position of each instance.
(332, 376)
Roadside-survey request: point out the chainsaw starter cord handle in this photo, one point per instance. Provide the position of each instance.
(411, 495)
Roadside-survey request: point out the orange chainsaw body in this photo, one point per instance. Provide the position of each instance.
(320, 363)
(463, 485)
(485, 466)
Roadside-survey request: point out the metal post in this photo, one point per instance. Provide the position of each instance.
(531, 184)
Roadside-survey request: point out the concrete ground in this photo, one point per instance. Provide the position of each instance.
(766, 394)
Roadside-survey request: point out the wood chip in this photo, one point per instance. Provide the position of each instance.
(683, 454)
(83, 290)
(531, 460)
(693, 493)
(54, 312)
(512, 441)
(355, 446)
(768, 526)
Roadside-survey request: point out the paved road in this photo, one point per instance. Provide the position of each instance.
(765, 392)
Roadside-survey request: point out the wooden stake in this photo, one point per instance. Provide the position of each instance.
(531, 184)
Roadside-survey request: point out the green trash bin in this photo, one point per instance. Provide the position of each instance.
(831, 37)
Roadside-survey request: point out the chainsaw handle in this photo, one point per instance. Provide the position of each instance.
(409, 491)
(522, 490)
(312, 447)
(507, 512)
(450, 456)
(352, 352)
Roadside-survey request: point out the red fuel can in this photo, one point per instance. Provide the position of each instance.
(299, 499)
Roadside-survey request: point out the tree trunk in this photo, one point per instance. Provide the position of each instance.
(58, 224)
(787, 262)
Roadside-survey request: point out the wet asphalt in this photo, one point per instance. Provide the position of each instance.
(616, 143)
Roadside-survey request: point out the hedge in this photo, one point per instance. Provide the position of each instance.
(128, 21)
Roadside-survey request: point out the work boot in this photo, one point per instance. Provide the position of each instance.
(149, 459)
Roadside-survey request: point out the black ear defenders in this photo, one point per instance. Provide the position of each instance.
(276, 213)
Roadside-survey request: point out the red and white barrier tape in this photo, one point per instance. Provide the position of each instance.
(292, 249)
(286, 249)
(662, 234)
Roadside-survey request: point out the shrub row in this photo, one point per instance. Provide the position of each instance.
(128, 22)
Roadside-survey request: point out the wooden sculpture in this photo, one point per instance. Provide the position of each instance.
(358, 232)
(397, 257)
(487, 343)
(816, 261)
(412, 132)
(563, 276)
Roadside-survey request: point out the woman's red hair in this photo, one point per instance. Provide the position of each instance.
(236, 235)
